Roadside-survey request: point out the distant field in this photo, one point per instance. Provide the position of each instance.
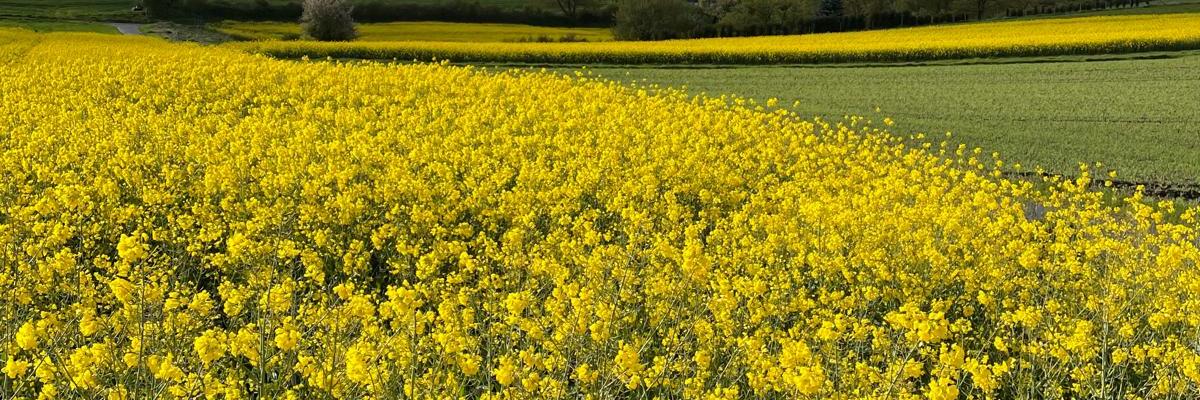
(120, 10)
(499, 3)
(1163, 7)
(1032, 37)
(420, 31)
(1138, 116)
(57, 26)
(69, 9)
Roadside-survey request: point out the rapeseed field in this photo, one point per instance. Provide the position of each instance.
(1020, 38)
(180, 221)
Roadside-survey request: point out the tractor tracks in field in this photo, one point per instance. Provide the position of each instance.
(127, 28)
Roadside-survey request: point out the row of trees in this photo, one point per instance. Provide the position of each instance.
(665, 19)
(536, 12)
(661, 19)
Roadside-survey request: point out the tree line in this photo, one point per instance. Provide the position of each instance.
(659, 19)
(670, 19)
(540, 12)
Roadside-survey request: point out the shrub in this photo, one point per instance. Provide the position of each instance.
(657, 19)
(328, 20)
(160, 8)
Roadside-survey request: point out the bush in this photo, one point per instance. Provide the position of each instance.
(160, 8)
(657, 20)
(328, 20)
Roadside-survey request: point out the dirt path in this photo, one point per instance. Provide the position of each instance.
(128, 29)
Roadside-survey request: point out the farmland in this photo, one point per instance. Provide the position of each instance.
(730, 218)
(195, 221)
(67, 9)
(1054, 113)
(423, 31)
(1034, 37)
(41, 25)
(514, 4)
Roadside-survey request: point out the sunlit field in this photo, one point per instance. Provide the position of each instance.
(1033, 37)
(424, 31)
(181, 221)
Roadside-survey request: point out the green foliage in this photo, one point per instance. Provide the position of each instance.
(161, 8)
(165, 9)
(571, 8)
(329, 20)
(39, 25)
(656, 19)
(422, 31)
(758, 15)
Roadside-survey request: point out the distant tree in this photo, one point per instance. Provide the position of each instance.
(572, 8)
(161, 8)
(867, 9)
(716, 8)
(1022, 5)
(657, 19)
(195, 6)
(769, 16)
(328, 20)
(933, 8)
(830, 8)
(980, 8)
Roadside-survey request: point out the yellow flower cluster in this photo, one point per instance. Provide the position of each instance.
(1030, 37)
(188, 222)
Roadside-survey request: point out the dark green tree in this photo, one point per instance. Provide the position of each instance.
(329, 20)
(830, 8)
(657, 19)
(572, 8)
(161, 8)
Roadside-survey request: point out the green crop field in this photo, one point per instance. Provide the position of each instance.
(508, 4)
(1160, 7)
(56, 25)
(121, 10)
(115, 10)
(421, 31)
(1135, 115)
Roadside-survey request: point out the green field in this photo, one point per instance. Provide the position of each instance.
(1135, 115)
(1158, 7)
(499, 3)
(96, 10)
(56, 25)
(420, 31)
(121, 10)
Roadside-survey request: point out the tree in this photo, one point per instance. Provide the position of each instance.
(328, 20)
(656, 19)
(716, 8)
(978, 7)
(866, 8)
(571, 8)
(160, 8)
(830, 8)
(769, 16)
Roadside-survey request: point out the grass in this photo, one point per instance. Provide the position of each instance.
(57, 25)
(1135, 115)
(94, 10)
(1166, 7)
(420, 31)
(510, 4)
(1035, 37)
(121, 10)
